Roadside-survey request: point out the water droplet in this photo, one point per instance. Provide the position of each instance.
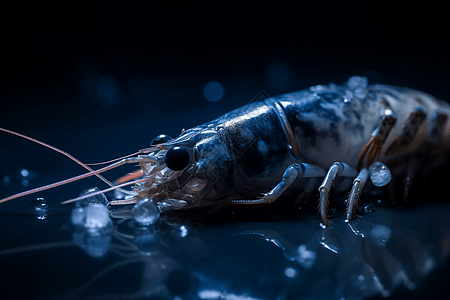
(145, 212)
(40, 208)
(379, 201)
(380, 174)
(6, 179)
(368, 209)
(25, 182)
(39, 202)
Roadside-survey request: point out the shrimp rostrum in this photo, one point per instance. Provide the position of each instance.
(295, 143)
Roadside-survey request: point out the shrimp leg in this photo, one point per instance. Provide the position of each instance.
(352, 202)
(338, 168)
(291, 173)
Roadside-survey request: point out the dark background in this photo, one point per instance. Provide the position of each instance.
(157, 60)
(100, 80)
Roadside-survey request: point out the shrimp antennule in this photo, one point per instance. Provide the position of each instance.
(107, 168)
(113, 160)
(105, 190)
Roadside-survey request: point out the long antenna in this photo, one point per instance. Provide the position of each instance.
(65, 154)
(57, 150)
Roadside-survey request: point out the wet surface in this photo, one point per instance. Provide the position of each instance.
(276, 253)
(105, 86)
(257, 254)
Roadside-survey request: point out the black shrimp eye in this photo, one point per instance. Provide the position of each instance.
(160, 139)
(177, 158)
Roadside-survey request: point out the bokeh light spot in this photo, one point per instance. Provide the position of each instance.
(213, 91)
(24, 173)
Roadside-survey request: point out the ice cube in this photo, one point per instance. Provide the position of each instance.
(94, 217)
(379, 174)
(145, 212)
(97, 216)
(100, 198)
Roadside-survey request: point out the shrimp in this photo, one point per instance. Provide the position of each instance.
(292, 144)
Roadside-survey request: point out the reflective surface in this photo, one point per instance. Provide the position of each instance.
(265, 254)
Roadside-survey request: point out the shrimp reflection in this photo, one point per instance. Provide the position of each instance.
(295, 259)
